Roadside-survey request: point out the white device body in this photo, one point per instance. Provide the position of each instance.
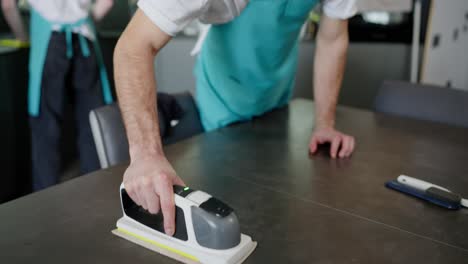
(417, 183)
(190, 247)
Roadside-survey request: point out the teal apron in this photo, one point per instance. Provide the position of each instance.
(41, 31)
(247, 67)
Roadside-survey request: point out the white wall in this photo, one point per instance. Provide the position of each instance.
(446, 60)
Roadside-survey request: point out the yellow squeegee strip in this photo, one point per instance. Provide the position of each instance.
(13, 43)
(176, 251)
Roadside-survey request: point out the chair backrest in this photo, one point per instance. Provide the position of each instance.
(109, 132)
(425, 102)
(109, 135)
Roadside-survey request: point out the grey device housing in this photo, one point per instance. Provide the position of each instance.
(215, 231)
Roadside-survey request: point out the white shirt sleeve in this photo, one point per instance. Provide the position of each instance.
(340, 9)
(171, 16)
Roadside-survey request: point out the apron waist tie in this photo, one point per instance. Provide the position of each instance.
(68, 29)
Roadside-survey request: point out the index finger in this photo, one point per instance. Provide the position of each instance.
(166, 197)
(335, 144)
(313, 145)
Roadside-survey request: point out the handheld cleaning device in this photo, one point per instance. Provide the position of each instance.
(207, 230)
(427, 191)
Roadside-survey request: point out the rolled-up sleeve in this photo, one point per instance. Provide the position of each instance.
(171, 16)
(340, 9)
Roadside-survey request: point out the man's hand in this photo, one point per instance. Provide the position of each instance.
(149, 182)
(101, 8)
(14, 20)
(335, 138)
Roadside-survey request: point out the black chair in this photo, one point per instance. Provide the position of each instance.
(425, 102)
(111, 140)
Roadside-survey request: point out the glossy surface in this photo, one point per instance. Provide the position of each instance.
(300, 208)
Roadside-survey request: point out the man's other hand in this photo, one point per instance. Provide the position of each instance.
(342, 145)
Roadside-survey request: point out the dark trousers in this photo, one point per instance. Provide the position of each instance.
(64, 80)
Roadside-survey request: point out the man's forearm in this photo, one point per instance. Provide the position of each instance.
(329, 65)
(136, 91)
(136, 87)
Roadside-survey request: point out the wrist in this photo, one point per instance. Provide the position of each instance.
(324, 124)
(324, 117)
(139, 152)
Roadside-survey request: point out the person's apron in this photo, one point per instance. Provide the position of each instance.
(41, 31)
(247, 67)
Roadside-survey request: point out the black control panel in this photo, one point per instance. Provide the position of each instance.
(216, 207)
(442, 195)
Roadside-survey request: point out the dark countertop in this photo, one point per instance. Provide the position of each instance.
(300, 209)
